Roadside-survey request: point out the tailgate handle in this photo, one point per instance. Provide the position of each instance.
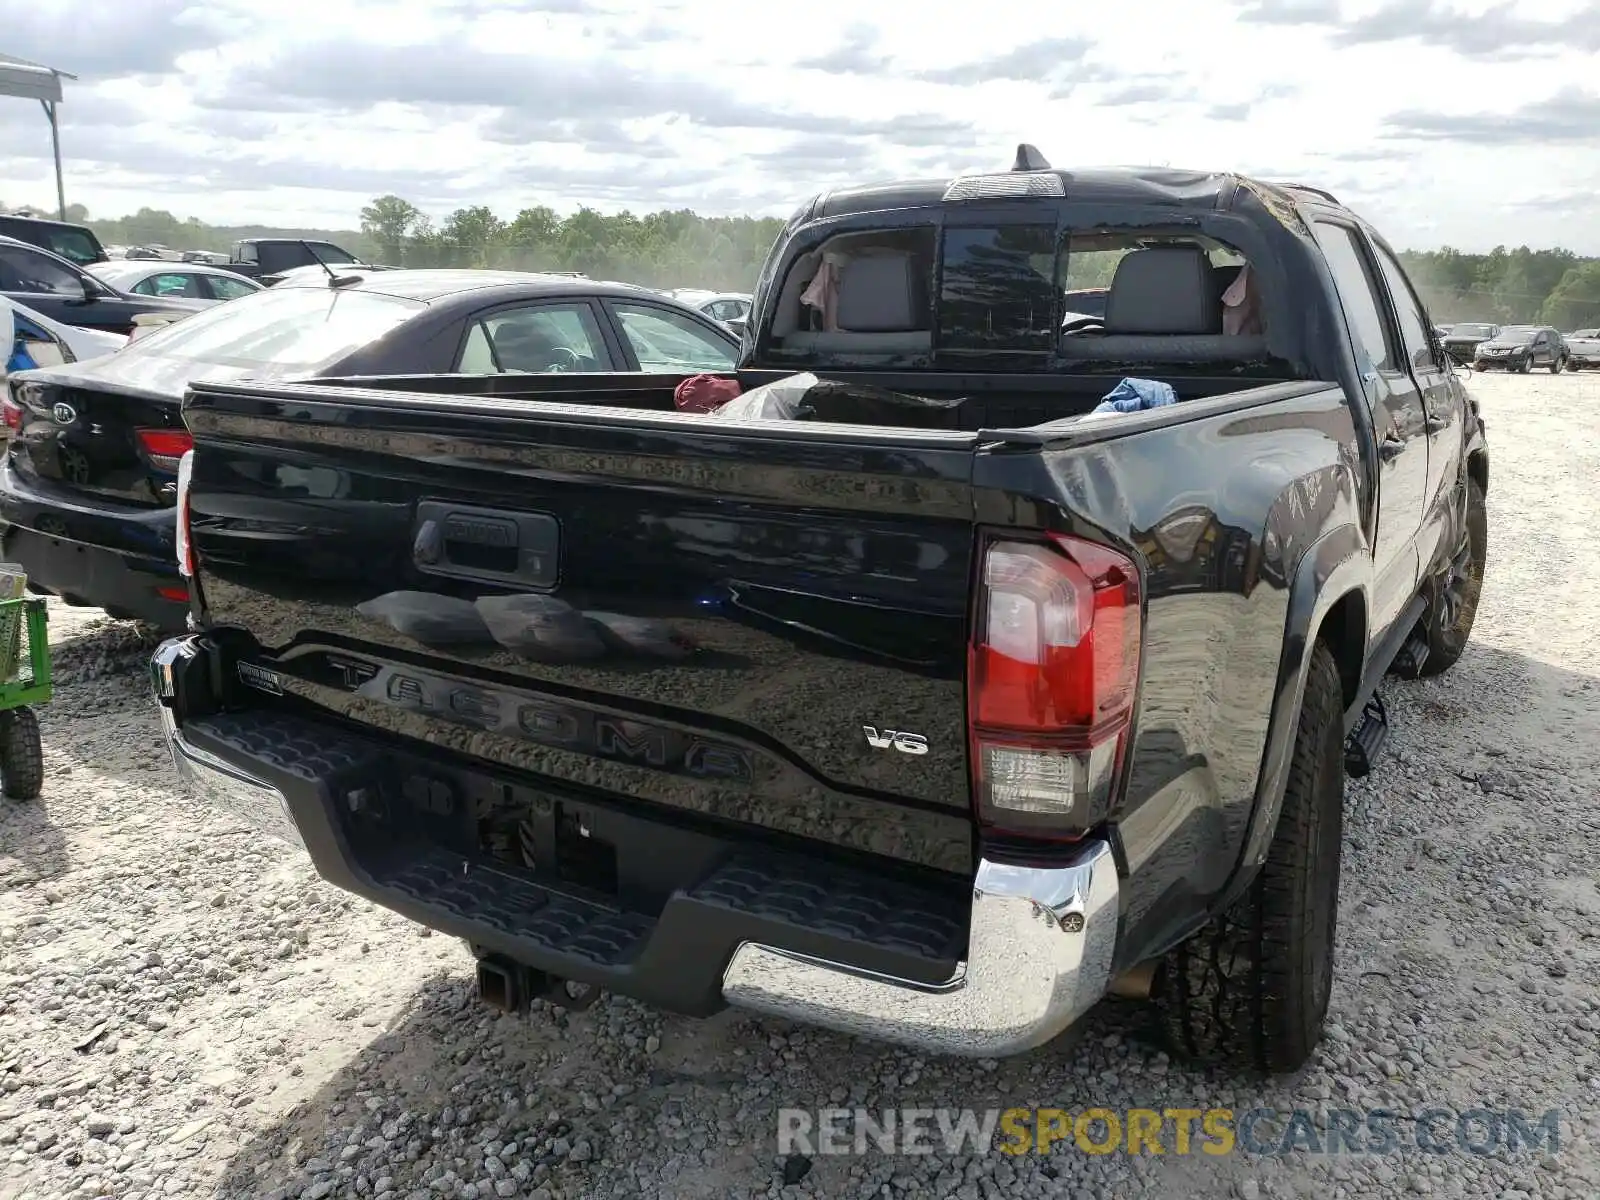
(491, 544)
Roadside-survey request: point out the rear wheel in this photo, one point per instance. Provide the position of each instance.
(1555, 366)
(21, 754)
(1251, 989)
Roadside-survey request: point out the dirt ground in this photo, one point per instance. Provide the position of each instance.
(186, 1011)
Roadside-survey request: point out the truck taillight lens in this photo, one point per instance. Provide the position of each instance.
(1053, 676)
(164, 447)
(13, 413)
(185, 546)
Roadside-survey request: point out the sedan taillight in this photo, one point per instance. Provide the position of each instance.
(164, 447)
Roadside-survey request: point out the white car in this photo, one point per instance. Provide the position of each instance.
(179, 281)
(32, 339)
(731, 308)
(46, 342)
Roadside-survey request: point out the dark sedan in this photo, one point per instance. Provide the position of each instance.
(65, 292)
(88, 486)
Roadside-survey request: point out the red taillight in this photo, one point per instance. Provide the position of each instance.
(185, 545)
(164, 447)
(1053, 675)
(13, 413)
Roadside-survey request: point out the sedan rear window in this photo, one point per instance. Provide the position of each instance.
(294, 329)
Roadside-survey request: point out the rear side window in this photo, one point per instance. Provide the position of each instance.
(997, 288)
(224, 288)
(1356, 293)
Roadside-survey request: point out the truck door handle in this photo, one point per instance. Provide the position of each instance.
(488, 544)
(1391, 447)
(1436, 424)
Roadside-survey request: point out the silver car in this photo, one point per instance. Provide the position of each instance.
(174, 280)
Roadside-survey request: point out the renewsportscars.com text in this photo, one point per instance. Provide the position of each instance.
(1179, 1131)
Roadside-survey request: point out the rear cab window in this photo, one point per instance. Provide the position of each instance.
(1043, 297)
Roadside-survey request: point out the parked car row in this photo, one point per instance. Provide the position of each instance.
(67, 292)
(1521, 348)
(1486, 347)
(87, 489)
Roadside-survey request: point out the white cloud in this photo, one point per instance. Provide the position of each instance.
(1472, 125)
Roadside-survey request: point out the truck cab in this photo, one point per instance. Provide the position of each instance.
(262, 258)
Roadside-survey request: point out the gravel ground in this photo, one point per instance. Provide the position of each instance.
(187, 1012)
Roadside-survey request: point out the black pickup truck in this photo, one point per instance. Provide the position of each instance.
(936, 730)
(266, 259)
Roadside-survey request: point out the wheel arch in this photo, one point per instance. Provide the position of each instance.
(1328, 603)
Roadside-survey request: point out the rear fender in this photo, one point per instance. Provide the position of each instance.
(1336, 566)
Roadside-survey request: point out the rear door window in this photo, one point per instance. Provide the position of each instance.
(665, 341)
(1356, 292)
(174, 283)
(1407, 309)
(997, 288)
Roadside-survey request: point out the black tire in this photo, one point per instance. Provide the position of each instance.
(1251, 989)
(1555, 367)
(1447, 625)
(21, 754)
(1525, 367)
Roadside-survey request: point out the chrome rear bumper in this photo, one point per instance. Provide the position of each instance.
(228, 789)
(1041, 942)
(206, 776)
(1041, 948)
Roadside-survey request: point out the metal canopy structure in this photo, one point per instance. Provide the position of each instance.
(33, 81)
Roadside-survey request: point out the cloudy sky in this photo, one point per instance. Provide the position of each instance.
(1465, 123)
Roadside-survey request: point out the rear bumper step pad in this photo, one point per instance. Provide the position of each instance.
(808, 939)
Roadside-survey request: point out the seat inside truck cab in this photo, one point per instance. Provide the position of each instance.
(860, 293)
(1164, 305)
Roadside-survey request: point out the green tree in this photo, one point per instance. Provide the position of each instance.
(388, 221)
(474, 232)
(1575, 302)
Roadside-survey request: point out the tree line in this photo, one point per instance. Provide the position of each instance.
(681, 249)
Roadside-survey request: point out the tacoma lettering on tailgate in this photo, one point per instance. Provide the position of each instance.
(550, 722)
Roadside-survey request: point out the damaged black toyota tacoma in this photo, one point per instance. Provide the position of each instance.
(935, 720)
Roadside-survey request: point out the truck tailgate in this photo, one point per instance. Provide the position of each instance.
(757, 623)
